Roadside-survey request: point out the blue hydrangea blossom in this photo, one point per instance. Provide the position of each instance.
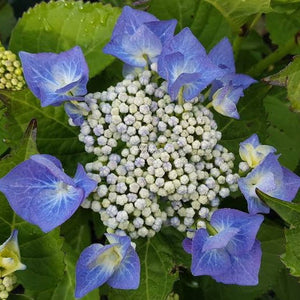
(253, 152)
(55, 78)
(116, 264)
(271, 178)
(227, 88)
(184, 63)
(41, 193)
(232, 255)
(10, 259)
(138, 37)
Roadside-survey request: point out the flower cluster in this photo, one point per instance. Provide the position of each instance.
(7, 284)
(11, 77)
(156, 160)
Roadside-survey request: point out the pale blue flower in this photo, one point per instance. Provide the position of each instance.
(55, 78)
(41, 193)
(116, 264)
(232, 255)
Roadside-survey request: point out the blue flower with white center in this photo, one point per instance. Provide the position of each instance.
(41, 193)
(10, 259)
(271, 178)
(230, 83)
(252, 152)
(116, 264)
(231, 255)
(55, 78)
(185, 64)
(138, 37)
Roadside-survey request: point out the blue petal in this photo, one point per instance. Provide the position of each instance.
(237, 80)
(76, 112)
(128, 69)
(83, 181)
(127, 275)
(130, 20)
(187, 245)
(268, 177)
(55, 78)
(244, 269)
(164, 30)
(186, 44)
(222, 55)
(41, 193)
(288, 187)
(91, 271)
(211, 262)
(246, 224)
(122, 241)
(221, 239)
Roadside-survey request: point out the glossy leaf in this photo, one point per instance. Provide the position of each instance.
(58, 26)
(288, 211)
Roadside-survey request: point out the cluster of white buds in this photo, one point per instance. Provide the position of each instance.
(11, 77)
(7, 284)
(157, 161)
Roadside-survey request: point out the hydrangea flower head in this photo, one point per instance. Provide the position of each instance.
(138, 37)
(253, 152)
(271, 178)
(230, 83)
(10, 260)
(232, 255)
(55, 78)
(184, 63)
(116, 264)
(41, 193)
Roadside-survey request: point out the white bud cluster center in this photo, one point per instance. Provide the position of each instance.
(7, 284)
(157, 161)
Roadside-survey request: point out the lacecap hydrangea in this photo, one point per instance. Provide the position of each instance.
(159, 158)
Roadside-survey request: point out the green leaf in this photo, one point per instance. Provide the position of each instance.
(288, 211)
(291, 257)
(7, 21)
(240, 12)
(283, 27)
(40, 252)
(3, 145)
(252, 119)
(287, 287)
(283, 132)
(157, 278)
(56, 136)
(18, 297)
(58, 26)
(205, 21)
(289, 77)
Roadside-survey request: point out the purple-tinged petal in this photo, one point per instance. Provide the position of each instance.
(130, 20)
(187, 245)
(55, 78)
(220, 240)
(252, 140)
(76, 112)
(244, 269)
(222, 55)
(95, 266)
(287, 189)
(267, 176)
(122, 241)
(246, 224)
(164, 30)
(128, 69)
(210, 262)
(127, 275)
(41, 193)
(239, 80)
(83, 181)
(225, 100)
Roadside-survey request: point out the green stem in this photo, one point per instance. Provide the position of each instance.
(210, 229)
(209, 105)
(180, 97)
(272, 58)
